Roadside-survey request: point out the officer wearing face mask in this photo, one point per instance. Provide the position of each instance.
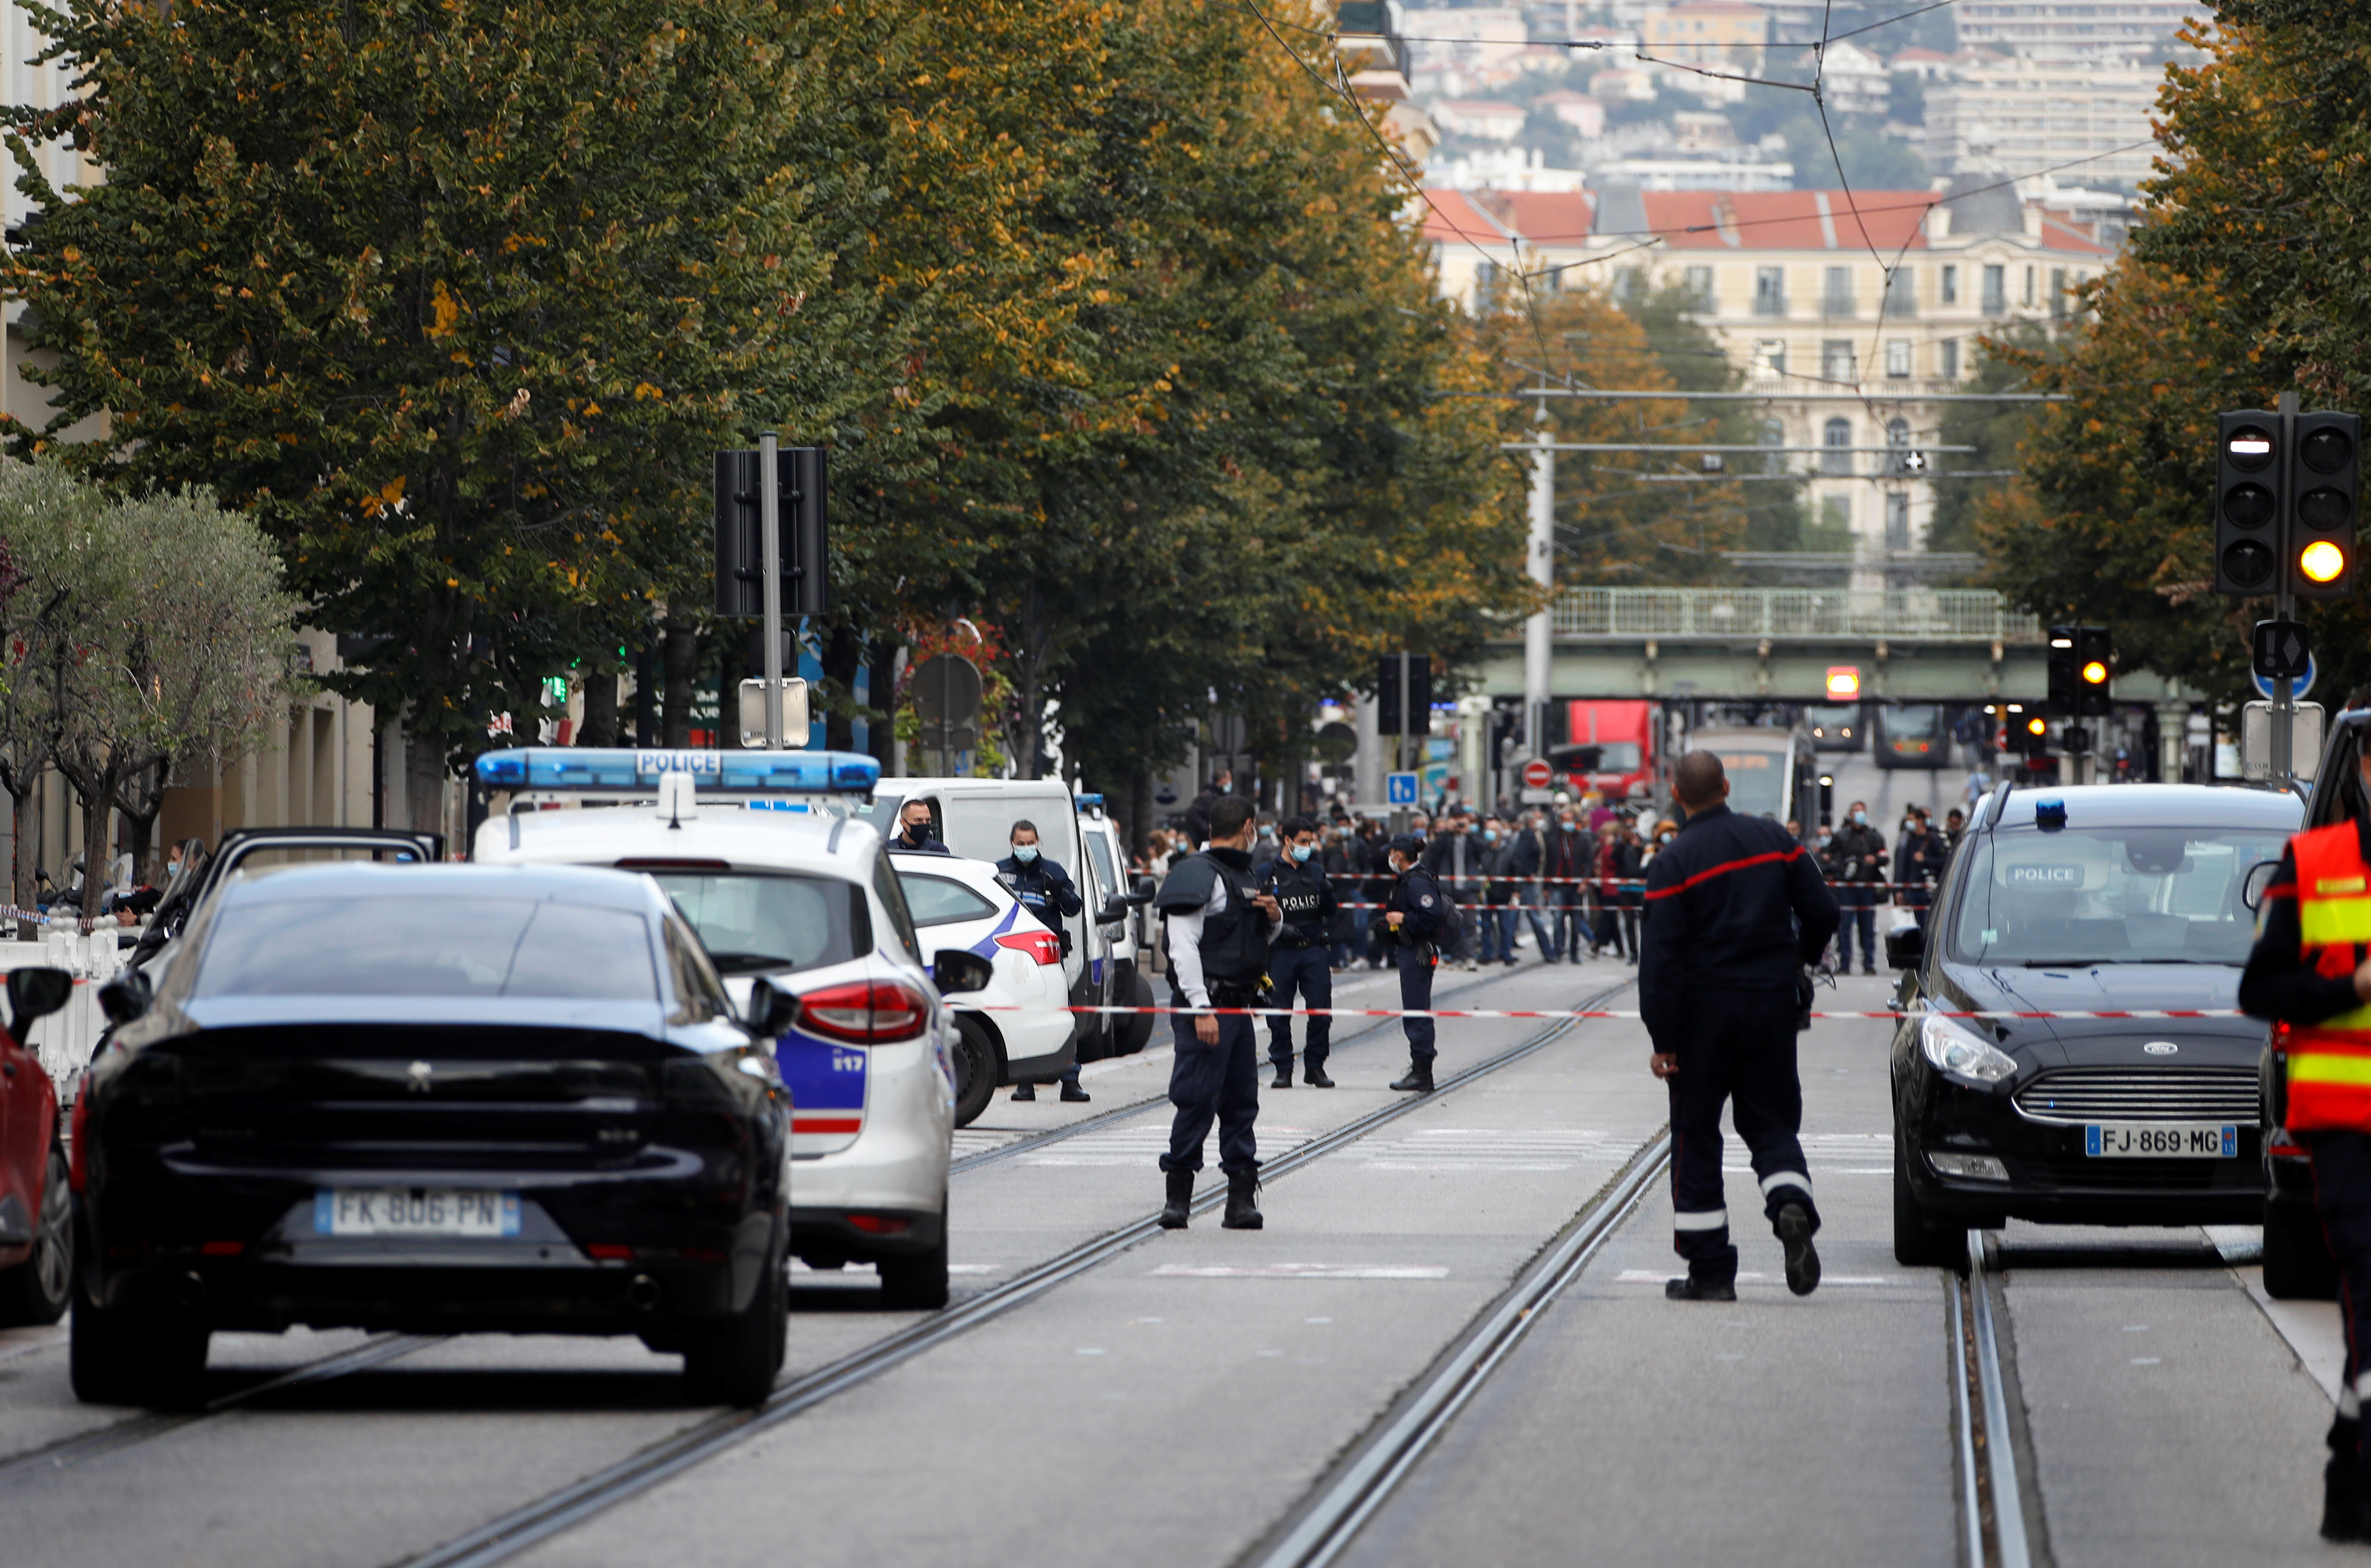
(1047, 891)
(1298, 959)
(1856, 859)
(1416, 918)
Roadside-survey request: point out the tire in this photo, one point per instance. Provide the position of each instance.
(1919, 1240)
(735, 1362)
(978, 1065)
(125, 1357)
(37, 1290)
(1136, 1029)
(916, 1282)
(2298, 1265)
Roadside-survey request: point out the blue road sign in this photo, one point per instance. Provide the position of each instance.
(1399, 789)
(2297, 688)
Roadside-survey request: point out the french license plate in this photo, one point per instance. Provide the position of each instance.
(414, 1211)
(2160, 1139)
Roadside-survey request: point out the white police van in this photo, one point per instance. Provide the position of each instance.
(780, 887)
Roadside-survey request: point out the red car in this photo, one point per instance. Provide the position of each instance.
(36, 1209)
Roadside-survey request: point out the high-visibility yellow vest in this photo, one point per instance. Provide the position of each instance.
(2329, 1062)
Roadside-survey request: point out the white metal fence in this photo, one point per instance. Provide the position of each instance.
(1945, 615)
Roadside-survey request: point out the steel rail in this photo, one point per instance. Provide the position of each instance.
(506, 1537)
(2000, 1446)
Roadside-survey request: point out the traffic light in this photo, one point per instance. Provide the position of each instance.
(2095, 666)
(2062, 696)
(740, 533)
(2036, 739)
(2248, 471)
(1417, 719)
(2321, 536)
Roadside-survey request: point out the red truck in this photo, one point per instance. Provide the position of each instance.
(1606, 745)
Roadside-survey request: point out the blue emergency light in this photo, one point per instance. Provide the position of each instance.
(1091, 802)
(724, 773)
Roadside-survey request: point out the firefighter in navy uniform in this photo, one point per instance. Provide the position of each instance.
(1416, 917)
(1299, 958)
(1216, 931)
(1736, 909)
(2310, 976)
(1047, 891)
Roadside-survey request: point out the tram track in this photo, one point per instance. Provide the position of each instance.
(1989, 1412)
(520, 1530)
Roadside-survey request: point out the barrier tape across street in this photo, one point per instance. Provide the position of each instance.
(1582, 1013)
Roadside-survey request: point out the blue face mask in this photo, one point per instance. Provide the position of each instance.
(1024, 854)
(1861, 818)
(1301, 852)
(1267, 832)
(1489, 835)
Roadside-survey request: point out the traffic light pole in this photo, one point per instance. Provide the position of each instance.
(1538, 630)
(2283, 602)
(769, 549)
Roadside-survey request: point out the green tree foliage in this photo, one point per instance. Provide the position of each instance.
(2251, 275)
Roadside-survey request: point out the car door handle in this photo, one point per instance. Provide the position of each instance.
(7, 1069)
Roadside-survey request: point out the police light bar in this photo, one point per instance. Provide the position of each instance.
(1091, 802)
(627, 769)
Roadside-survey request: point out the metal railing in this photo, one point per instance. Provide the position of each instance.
(1941, 615)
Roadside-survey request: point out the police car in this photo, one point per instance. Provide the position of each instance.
(1018, 1025)
(1132, 937)
(777, 886)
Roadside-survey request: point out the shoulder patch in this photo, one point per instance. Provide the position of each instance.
(1426, 901)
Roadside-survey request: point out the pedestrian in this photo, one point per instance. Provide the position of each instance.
(1416, 916)
(1735, 910)
(1216, 931)
(1526, 855)
(1608, 870)
(1565, 864)
(1047, 891)
(1924, 855)
(1297, 883)
(1630, 894)
(1498, 914)
(1336, 857)
(914, 835)
(1856, 860)
(1197, 810)
(2308, 975)
(1449, 855)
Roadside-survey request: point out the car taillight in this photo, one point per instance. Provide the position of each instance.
(865, 1012)
(1042, 946)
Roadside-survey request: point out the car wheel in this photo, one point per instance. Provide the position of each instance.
(1136, 1029)
(1919, 1240)
(916, 1282)
(125, 1357)
(735, 1361)
(978, 1067)
(2298, 1265)
(35, 1291)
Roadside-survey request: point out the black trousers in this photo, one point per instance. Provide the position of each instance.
(1210, 1083)
(1416, 990)
(2342, 1192)
(1308, 971)
(1740, 1050)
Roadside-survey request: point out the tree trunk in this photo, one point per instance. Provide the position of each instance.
(882, 692)
(27, 806)
(679, 654)
(98, 817)
(601, 727)
(843, 651)
(423, 781)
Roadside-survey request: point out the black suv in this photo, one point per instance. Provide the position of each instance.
(2084, 900)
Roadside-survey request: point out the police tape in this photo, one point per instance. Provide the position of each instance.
(2136, 1014)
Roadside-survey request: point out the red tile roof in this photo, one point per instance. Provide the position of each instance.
(1543, 217)
(1788, 220)
(1451, 218)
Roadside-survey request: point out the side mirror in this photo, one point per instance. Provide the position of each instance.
(2260, 876)
(1905, 948)
(959, 970)
(1114, 909)
(771, 1009)
(38, 992)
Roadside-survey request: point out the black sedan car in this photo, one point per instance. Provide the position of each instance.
(2089, 900)
(431, 1098)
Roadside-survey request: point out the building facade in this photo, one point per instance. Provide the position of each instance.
(2086, 123)
(2093, 30)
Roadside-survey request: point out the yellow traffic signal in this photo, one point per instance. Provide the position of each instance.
(2095, 674)
(2036, 724)
(2322, 561)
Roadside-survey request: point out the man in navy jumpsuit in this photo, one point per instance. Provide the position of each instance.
(1736, 909)
(1046, 890)
(1415, 916)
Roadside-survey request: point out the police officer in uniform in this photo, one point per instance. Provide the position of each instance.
(913, 834)
(1736, 909)
(1300, 958)
(2310, 975)
(1416, 915)
(1047, 891)
(1216, 932)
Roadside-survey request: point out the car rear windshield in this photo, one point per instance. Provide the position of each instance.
(765, 923)
(408, 946)
(2075, 898)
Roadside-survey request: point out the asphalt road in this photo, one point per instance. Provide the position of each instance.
(1178, 1401)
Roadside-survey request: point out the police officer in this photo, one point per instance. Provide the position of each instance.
(1416, 915)
(1047, 891)
(914, 834)
(1735, 910)
(2308, 975)
(1299, 958)
(1216, 933)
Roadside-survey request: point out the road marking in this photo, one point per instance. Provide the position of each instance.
(1303, 1271)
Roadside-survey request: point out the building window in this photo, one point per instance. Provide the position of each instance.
(1836, 437)
(1897, 523)
(1770, 358)
(1773, 436)
(2028, 286)
(1901, 293)
(1836, 361)
(1897, 439)
(2057, 292)
(1995, 301)
(1837, 299)
(1629, 283)
(1946, 359)
(1897, 358)
(1950, 285)
(1699, 288)
(1770, 291)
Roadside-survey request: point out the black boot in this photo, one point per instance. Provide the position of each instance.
(1802, 1259)
(1419, 1078)
(2341, 1485)
(1173, 1212)
(1026, 1091)
(1073, 1095)
(1693, 1289)
(1242, 1206)
(1313, 1075)
(1283, 1074)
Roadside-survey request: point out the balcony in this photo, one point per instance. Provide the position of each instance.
(1364, 38)
(1772, 305)
(1834, 306)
